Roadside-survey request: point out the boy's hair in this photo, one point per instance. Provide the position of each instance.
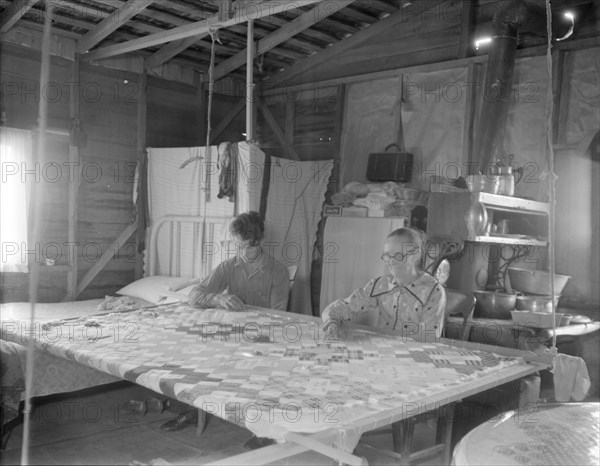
(248, 226)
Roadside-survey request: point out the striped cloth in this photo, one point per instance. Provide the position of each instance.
(294, 205)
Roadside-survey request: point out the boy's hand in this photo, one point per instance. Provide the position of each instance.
(331, 330)
(231, 302)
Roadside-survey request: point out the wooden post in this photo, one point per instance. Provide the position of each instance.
(73, 191)
(141, 146)
(466, 29)
(561, 95)
(290, 121)
(250, 82)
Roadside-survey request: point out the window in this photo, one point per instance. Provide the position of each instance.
(15, 156)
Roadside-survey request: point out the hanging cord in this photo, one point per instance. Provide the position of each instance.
(34, 276)
(552, 176)
(214, 35)
(211, 84)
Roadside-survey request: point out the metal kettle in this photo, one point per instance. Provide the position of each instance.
(507, 176)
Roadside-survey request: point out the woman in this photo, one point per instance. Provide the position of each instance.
(406, 300)
(252, 277)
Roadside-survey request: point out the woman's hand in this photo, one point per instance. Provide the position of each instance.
(230, 302)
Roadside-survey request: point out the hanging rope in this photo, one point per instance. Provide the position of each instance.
(211, 84)
(551, 175)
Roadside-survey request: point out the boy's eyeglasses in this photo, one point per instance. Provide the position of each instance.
(398, 257)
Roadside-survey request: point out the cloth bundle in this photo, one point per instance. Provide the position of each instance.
(227, 177)
(571, 378)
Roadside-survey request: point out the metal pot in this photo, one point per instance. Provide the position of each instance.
(494, 304)
(485, 183)
(535, 281)
(536, 303)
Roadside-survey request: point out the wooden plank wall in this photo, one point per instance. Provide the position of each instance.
(108, 110)
(109, 115)
(20, 99)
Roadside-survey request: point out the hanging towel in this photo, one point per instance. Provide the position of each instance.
(571, 379)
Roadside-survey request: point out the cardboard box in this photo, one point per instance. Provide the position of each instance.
(355, 211)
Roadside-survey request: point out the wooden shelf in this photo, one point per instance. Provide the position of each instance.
(510, 241)
(56, 268)
(460, 216)
(512, 204)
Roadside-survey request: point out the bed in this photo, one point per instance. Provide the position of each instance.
(181, 251)
(271, 372)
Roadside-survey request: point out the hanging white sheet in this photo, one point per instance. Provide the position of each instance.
(294, 205)
(173, 190)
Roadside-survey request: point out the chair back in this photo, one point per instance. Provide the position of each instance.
(459, 303)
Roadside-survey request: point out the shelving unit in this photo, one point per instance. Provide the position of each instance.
(464, 217)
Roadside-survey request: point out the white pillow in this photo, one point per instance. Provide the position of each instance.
(156, 289)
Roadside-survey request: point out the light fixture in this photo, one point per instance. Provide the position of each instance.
(571, 17)
(482, 41)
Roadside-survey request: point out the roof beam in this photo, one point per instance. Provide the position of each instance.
(304, 21)
(168, 51)
(378, 28)
(14, 13)
(111, 23)
(242, 14)
(171, 49)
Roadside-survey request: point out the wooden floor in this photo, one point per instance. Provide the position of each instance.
(91, 427)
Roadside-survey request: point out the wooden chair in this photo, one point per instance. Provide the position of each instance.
(459, 303)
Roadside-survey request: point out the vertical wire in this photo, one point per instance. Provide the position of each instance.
(550, 147)
(34, 276)
(211, 85)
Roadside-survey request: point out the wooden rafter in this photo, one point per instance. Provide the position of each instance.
(14, 13)
(289, 150)
(400, 17)
(226, 120)
(304, 21)
(242, 14)
(111, 23)
(168, 51)
(95, 269)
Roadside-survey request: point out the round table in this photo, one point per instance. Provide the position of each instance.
(553, 434)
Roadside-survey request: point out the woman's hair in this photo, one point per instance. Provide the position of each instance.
(248, 226)
(412, 236)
